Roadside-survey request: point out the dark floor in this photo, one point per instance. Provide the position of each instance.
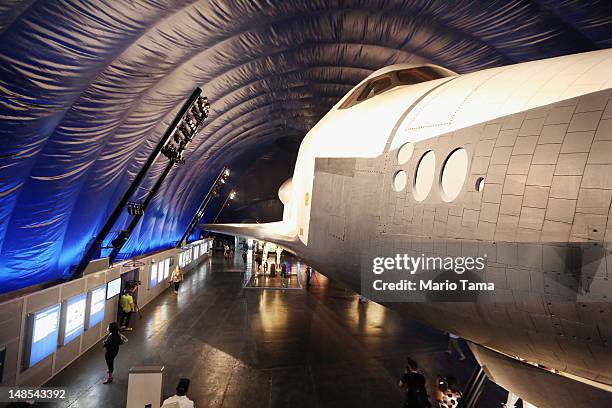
(245, 347)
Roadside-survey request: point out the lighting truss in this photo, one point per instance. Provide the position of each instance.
(188, 127)
(172, 144)
(213, 192)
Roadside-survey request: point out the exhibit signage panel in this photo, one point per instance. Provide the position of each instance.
(153, 277)
(45, 329)
(97, 306)
(113, 288)
(75, 317)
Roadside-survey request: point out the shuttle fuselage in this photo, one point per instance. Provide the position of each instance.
(514, 163)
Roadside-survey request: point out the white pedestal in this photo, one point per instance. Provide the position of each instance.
(145, 386)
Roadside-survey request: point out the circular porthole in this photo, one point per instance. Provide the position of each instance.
(453, 174)
(424, 177)
(479, 184)
(400, 179)
(405, 153)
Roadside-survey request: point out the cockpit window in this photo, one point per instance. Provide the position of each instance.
(389, 80)
(418, 75)
(375, 87)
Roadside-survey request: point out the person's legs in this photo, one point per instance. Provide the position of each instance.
(110, 364)
(122, 320)
(455, 344)
(176, 287)
(126, 326)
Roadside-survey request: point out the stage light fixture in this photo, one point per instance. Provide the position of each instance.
(135, 208)
(188, 127)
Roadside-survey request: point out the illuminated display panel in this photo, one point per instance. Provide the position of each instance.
(113, 288)
(75, 317)
(96, 308)
(160, 272)
(166, 268)
(45, 329)
(153, 277)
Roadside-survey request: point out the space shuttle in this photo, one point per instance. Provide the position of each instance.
(514, 162)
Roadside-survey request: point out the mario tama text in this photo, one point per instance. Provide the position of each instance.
(430, 284)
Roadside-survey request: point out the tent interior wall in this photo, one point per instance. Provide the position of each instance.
(87, 88)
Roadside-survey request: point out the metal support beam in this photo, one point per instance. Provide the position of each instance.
(96, 243)
(223, 206)
(134, 221)
(474, 389)
(200, 212)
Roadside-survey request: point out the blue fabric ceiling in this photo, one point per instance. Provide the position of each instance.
(88, 87)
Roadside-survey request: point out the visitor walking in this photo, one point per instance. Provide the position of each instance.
(111, 344)
(257, 262)
(127, 308)
(176, 278)
(453, 343)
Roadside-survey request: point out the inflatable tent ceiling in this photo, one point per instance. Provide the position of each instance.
(89, 86)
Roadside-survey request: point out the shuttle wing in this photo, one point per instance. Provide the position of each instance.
(281, 233)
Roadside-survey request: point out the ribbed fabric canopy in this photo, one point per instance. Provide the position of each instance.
(89, 86)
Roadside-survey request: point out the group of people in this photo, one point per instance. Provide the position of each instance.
(447, 392)
(127, 307)
(228, 251)
(113, 341)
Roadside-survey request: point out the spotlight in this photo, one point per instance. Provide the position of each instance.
(186, 131)
(200, 108)
(232, 195)
(135, 208)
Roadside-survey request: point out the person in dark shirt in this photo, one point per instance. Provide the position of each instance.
(111, 344)
(416, 393)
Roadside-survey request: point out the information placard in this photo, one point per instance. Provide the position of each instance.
(75, 317)
(45, 329)
(97, 306)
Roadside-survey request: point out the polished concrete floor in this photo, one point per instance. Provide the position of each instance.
(245, 347)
